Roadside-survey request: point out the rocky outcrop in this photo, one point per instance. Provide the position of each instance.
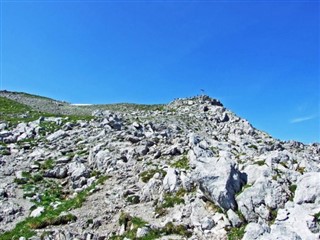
(191, 169)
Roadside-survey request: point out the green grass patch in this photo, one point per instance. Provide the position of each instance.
(5, 152)
(182, 163)
(180, 229)
(48, 164)
(34, 223)
(301, 170)
(215, 151)
(47, 127)
(133, 199)
(51, 216)
(8, 106)
(133, 223)
(147, 175)
(236, 233)
(272, 215)
(14, 112)
(169, 201)
(260, 162)
(253, 147)
(292, 188)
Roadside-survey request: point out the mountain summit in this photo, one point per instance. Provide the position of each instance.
(191, 169)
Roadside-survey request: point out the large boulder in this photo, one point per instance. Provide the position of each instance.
(308, 189)
(218, 177)
(259, 200)
(171, 180)
(76, 170)
(57, 135)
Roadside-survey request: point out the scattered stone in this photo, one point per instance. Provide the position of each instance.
(37, 212)
(206, 173)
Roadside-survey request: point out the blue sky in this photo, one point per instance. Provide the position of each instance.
(260, 58)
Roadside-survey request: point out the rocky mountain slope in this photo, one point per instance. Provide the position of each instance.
(191, 169)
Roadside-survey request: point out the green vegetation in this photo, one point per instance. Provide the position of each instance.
(213, 207)
(35, 223)
(51, 215)
(170, 228)
(284, 164)
(236, 233)
(147, 175)
(242, 218)
(15, 112)
(272, 215)
(260, 162)
(317, 216)
(277, 174)
(292, 188)
(301, 170)
(215, 151)
(169, 200)
(8, 106)
(133, 223)
(131, 107)
(182, 163)
(133, 199)
(48, 164)
(47, 127)
(253, 147)
(4, 152)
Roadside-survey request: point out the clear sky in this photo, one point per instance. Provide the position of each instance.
(260, 58)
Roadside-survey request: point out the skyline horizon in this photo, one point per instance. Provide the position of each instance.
(297, 120)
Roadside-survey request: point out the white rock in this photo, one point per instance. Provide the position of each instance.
(170, 182)
(37, 212)
(254, 231)
(207, 223)
(141, 232)
(308, 189)
(57, 135)
(234, 218)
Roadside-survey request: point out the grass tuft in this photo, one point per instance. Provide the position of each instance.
(50, 216)
(182, 163)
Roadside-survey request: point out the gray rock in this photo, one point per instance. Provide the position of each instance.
(207, 223)
(3, 194)
(257, 200)
(3, 126)
(234, 218)
(142, 150)
(151, 190)
(77, 170)
(255, 231)
(37, 212)
(63, 159)
(308, 189)
(157, 154)
(57, 135)
(281, 233)
(57, 172)
(142, 232)
(219, 180)
(171, 180)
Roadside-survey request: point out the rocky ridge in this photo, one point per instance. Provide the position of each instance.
(191, 169)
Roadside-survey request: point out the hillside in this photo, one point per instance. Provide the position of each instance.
(190, 169)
